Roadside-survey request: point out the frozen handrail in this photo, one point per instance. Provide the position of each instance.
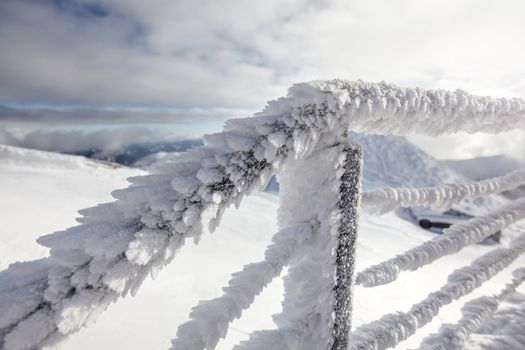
(455, 238)
(385, 199)
(393, 328)
(475, 312)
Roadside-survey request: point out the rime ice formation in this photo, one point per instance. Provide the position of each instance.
(475, 312)
(391, 329)
(504, 330)
(385, 199)
(331, 198)
(388, 109)
(118, 244)
(455, 238)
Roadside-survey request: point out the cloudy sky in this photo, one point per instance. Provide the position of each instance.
(191, 64)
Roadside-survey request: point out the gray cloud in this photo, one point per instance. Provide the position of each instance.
(92, 115)
(242, 53)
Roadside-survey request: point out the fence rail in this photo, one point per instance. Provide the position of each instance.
(118, 244)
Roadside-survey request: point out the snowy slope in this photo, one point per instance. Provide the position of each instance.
(393, 161)
(42, 191)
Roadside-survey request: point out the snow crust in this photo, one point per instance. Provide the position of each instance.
(455, 238)
(118, 244)
(385, 199)
(391, 329)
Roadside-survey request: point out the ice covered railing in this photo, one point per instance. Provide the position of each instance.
(303, 139)
(385, 199)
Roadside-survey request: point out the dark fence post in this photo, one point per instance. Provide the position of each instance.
(349, 206)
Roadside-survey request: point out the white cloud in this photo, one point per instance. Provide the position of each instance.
(464, 146)
(243, 53)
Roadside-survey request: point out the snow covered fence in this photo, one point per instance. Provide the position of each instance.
(118, 244)
(385, 199)
(391, 329)
(475, 312)
(455, 238)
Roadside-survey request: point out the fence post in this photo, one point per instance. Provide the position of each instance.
(322, 188)
(349, 206)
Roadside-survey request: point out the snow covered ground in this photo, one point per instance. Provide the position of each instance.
(41, 193)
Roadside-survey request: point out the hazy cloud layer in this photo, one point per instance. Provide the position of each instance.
(77, 140)
(114, 115)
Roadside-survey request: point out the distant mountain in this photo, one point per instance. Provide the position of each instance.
(131, 153)
(481, 168)
(394, 161)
